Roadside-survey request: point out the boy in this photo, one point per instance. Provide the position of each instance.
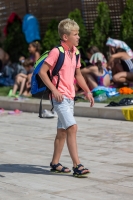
(63, 96)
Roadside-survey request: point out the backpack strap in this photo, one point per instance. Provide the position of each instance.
(59, 62)
(77, 56)
(57, 68)
(55, 72)
(42, 57)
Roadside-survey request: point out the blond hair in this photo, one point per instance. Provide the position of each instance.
(66, 26)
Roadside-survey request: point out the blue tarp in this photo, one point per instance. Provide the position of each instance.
(30, 28)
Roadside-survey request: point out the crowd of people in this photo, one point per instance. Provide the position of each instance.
(24, 70)
(112, 71)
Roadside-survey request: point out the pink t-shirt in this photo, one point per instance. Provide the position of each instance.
(67, 72)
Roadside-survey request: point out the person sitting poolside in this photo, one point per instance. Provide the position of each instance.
(114, 44)
(124, 68)
(21, 79)
(92, 53)
(89, 73)
(97, 74)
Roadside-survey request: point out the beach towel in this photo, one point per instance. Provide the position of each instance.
(119, 44)
(98, 56)
(128, 113)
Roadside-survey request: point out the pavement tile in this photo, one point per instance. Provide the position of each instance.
(26, 147)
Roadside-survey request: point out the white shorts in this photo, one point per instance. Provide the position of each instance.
(65, 111)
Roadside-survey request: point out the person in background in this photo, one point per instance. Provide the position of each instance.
(34, 50)
(27, 88)
(21, 78)
(93, 50)
(21, 60)
(4, 59)
(113, 45)
(97, 74)
(124, 68)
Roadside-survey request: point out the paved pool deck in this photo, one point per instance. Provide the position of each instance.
(26, 147)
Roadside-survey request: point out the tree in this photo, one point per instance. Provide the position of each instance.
(126, 32)
(51, 37)
(0, 38)
(102, 26)
(15, 43)
(76, 16)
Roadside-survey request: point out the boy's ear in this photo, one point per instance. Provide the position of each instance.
(65, 37)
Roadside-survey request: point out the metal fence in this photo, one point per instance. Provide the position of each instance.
(89, 13)
(7, 7)
(45, 10)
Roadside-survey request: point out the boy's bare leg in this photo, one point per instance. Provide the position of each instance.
(58, 146)
(72, 145)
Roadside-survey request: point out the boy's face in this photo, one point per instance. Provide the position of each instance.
(72, 39)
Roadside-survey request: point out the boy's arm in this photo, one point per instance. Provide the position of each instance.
(81, 82)
(44, 76)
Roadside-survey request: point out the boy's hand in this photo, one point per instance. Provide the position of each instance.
(90, 98)
(57, 95)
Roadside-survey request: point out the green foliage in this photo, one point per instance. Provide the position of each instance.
(102, 26)
(15, 43)
(0, 39)
(51, 37)
(76, 16)
(4, 90)
(127, 23)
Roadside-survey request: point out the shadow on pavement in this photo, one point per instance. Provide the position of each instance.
(29, 169)
(1, 176)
